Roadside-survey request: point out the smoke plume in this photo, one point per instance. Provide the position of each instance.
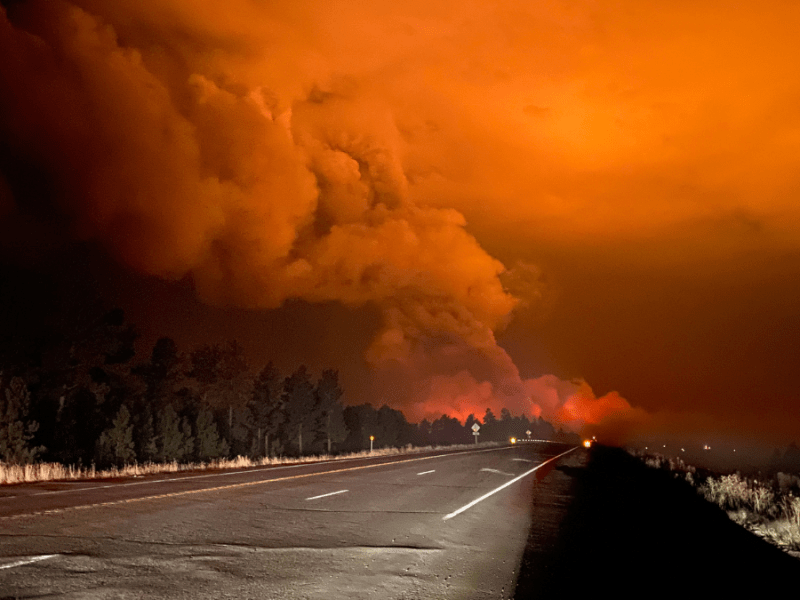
(267, 151)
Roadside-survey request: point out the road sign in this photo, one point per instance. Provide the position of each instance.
(475, 428)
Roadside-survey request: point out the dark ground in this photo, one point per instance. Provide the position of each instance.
(633, 532)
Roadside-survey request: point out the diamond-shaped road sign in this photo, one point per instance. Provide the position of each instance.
(475, 427)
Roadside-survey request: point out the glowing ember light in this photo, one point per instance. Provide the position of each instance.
(587, 443)
(513, 440)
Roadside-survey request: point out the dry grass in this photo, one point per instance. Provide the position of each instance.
(767, 508)
(733, 492)
(10, 474)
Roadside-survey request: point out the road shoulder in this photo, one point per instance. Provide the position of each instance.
(630, 529)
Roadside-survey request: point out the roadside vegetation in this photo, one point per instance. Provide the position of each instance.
(33, 472)
(769, 506)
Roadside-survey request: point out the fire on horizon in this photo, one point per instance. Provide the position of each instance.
(579, 211)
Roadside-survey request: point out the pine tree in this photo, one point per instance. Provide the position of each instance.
(299, 404)
(145, 439)
(209, 444)
(265, 409)
(162, 374)
(188, 440)
(16, 431)
(330, 427)
(171, 441)
(222, 380)
(116, 443)
(489, 431)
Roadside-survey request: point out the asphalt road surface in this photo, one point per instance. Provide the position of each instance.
(443, 525)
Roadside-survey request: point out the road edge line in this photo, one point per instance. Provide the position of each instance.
(505, 485)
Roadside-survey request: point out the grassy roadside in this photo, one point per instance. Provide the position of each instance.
(770, 508)
(35, 472)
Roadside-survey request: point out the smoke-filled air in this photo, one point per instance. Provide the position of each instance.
(520, 194)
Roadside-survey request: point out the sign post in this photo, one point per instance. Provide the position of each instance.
(475, 429)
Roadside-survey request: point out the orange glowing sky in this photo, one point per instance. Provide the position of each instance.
(585, 210)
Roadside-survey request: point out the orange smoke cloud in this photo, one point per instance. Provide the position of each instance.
(353, 152)
(171, 142)
(179, 161)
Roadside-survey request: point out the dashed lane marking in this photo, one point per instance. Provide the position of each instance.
(239, 485)
(427, 472)
(505, 485)
(326, 495)
(27, 561)
(497, 471)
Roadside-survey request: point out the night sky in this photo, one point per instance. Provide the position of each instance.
(585, 211)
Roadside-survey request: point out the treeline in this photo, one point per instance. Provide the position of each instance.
(82, 399)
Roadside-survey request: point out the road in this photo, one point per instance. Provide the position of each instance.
(443, 525)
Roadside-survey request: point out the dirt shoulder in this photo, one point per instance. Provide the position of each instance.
(630, 530)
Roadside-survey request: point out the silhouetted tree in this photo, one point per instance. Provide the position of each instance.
(144, 437)
(222, 380)
(115, 445)
(422, 433)
(209, 444)
(447, 430)
(16, 430)
(361, 422)
(175, 441)
(265, 409)
(84, 377)
(489, 430)
(299, 404)
(162, 374)
(330, 424)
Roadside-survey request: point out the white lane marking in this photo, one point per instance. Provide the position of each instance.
(426, 472)
(237, 472)
(505, 485)
(326, 495)
(520, 460)
(498, 472)
(246, 483)
(178, 478)
(28, 561)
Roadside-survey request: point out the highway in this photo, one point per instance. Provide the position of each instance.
(440, 525)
